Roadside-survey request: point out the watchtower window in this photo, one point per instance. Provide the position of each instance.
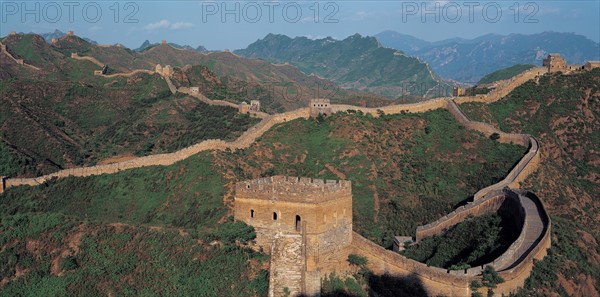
(298, 223)
(252, 213)
(248, 186)
(274, 216)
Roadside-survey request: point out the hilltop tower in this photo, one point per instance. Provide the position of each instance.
(254, 105)
(555, 63)
(312, 217)
(70, 33)
(320, 106)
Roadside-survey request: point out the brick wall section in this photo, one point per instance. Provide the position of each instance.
(4, 50)
(244, 141)
(477, 208)
(526, 165)
(515, 277)
(435, 280)
(203, 98)
(87, 58)
(172, 87)
(286, 265)
(128, 74)
(504, 87)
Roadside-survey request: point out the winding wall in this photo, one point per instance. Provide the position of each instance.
(246, 139)
(86, 58)
(438, 281)
(435, 280)
(5, 51)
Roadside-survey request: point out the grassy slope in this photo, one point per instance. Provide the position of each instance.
(166, 215)
(80, 123)
(562, 112)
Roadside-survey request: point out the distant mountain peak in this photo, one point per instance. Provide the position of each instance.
(468, 60)
(357, 61)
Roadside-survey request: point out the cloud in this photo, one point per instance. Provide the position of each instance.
(181, 25)
(166, 24)
(162, 24)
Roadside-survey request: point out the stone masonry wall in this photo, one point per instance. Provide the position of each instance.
(435, 280)
(477, 208)
(287, 265)
(5, 51)
(244, 141)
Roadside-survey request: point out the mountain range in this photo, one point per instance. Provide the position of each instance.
(355, 62)
(147, 45)
(468, 60)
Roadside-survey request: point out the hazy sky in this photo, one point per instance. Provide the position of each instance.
(235, 24)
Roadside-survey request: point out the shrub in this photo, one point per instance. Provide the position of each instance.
(68, 263)
(357, 260)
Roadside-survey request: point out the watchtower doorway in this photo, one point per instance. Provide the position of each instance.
(298, 223)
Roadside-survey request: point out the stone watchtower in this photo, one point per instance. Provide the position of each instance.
(302, 221)
(555, 63)
(320, 106)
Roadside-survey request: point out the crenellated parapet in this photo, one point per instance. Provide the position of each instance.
(293, 189)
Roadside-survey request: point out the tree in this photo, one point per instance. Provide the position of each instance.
(360, 262)
(490, 278)
(357, 260)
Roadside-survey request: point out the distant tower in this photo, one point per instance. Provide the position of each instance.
(458, 91)
(164, 41)
(158, 69)
(244, 107)
(254, 105)
(13, 33)
(70, 33)
(54, 40)
(167, 71)
(555, 63)
(320, 106)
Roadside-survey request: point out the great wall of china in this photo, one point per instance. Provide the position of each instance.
(5, 51)
(515, 264)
